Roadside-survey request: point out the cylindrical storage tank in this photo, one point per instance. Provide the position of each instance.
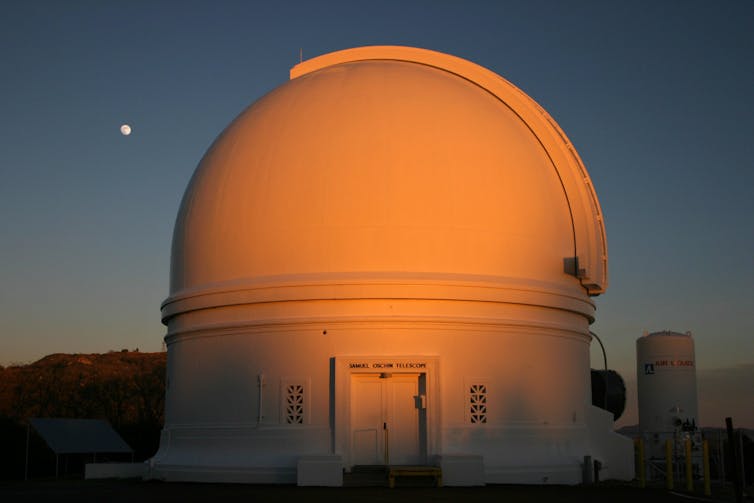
(666, 379)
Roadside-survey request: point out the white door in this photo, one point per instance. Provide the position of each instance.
(385, 420)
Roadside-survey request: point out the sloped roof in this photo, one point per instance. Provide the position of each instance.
(75, 436)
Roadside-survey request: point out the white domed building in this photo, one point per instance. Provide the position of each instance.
(388, 260)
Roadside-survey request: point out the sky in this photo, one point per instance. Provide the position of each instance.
(657, 97)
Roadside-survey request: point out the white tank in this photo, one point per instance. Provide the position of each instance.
(666, 379)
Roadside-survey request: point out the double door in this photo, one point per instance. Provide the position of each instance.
(388, 419)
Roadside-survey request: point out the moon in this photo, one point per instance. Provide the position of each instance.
(125, 130)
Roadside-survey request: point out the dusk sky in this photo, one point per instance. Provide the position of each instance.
(656, 96)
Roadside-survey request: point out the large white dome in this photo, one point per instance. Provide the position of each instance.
(389, 166)
(387, 260)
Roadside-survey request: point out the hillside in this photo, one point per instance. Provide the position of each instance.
(123, 387)
(126, 388)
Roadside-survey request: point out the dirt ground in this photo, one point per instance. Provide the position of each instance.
(136, 491)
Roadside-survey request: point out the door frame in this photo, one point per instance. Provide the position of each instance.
(343, 367)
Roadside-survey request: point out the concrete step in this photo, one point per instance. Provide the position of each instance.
(377, 476)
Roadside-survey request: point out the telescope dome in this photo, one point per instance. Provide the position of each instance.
(390, 164)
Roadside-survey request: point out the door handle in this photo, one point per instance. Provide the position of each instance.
(420, 401)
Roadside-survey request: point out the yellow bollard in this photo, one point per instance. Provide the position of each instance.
(689, 474)
(669, 464)
(641, 468)
(705, 454)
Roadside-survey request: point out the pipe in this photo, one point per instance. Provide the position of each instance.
(26, 464)
(604, 357)
(260, 384)
(738, 483)
(689, 474)
(669, 465)
(741, 461)
(721, 456)
(642, 469)
(705, 460)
